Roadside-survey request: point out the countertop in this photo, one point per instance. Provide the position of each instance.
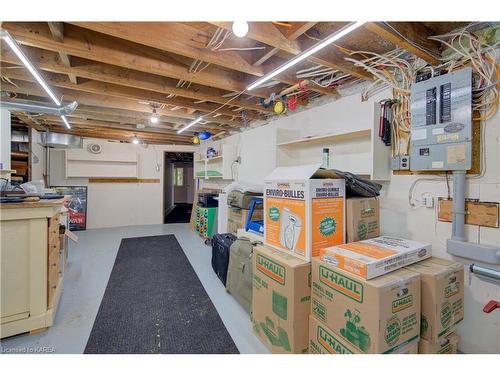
(40, 203)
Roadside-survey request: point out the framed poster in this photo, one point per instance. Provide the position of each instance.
(77, 205)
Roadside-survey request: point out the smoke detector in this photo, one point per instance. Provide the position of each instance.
(94, 148)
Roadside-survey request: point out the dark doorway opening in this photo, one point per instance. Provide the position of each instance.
(178, 187)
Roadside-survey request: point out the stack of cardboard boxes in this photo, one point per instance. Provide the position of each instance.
(314, 293)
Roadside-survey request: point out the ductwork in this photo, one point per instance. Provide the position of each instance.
(60, 140)
(34, 107)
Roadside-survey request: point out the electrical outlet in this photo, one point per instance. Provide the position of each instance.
(404, 162)
(427, 200)
(400, 163)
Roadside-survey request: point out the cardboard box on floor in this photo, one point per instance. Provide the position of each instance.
(442, 296)
(376, 316)
(303, 210)
(362, 219)
(376, 256)
(237, 218)
(448, 345)
(281, 300)
(323, 340)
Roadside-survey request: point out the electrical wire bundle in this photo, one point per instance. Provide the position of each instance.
(396, 69)
(468, 49)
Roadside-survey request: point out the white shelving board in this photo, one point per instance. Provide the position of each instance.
(81, 163)
(356, 148)
(222, 163)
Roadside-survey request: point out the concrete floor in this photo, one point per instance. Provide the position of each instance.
(90, 263)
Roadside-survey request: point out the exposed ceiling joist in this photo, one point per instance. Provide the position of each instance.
(176, 38)
(101, 88)
(47, 61)
(411, 36)
(94, 46)
(100, 100)
(292, 33)
(183, 40)
(269, 34)
(57, 30)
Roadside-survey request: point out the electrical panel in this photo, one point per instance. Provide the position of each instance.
(441, 122)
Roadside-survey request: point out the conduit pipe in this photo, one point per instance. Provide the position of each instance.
(34, 107)
(457, 245)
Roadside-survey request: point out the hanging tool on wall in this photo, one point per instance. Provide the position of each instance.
(386, 116)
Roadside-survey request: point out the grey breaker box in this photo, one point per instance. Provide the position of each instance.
(441, 122)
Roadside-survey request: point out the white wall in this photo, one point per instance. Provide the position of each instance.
(480, 332)
(121, 204)
(5, 138)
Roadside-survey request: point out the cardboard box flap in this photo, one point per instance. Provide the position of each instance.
(287, 259)
(435, 266)
(299, 172)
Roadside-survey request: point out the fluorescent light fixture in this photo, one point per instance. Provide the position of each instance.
(190, 124)
(66, 122)
(20, 54)
(304, 55)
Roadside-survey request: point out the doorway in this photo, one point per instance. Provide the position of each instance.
(178, 187)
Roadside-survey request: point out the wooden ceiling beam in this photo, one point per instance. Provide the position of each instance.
(292, 33)
(48, 61)
(170, 133)
(94, 46)
(87, 131)
(97, 87)
(411, 36)
(182, 40)
(266, 32)
(297, 29)
(108, 104)
(173, 37)
(120, 119)
(118, 135)
(57, 30)
(95, 91)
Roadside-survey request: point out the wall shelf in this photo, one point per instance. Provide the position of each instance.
(354, 147)
(326, 138)
(217, 167)
(111, 163)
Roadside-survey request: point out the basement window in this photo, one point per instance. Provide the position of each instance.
(179, 176)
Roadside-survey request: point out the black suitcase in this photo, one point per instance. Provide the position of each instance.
(221, 243)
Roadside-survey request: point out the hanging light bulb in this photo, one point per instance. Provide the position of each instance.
(154, 117)
(240, 28)
(135, 140)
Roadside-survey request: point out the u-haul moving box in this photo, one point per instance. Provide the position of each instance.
(304, 210)
(376, 256)
(442, 296)
(375, 316)
(281, 300)
(322, 340)
(447, 345)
